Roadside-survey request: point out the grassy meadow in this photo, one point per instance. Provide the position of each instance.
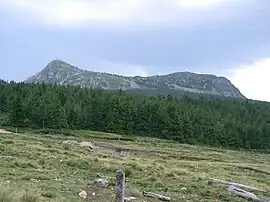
(40, 167)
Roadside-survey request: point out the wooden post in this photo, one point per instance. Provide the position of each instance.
(120, 186)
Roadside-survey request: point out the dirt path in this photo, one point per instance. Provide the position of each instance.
(124, 152)
(111, 150)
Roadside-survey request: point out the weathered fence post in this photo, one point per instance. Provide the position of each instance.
(120, 186)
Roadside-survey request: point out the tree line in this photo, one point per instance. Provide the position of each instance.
(216, 122)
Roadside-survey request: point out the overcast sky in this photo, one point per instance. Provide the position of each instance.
(140, 37)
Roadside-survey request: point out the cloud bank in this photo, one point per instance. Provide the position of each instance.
(96, 12)
(253, 79)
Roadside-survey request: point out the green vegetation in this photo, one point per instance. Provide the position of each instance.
(44, 169)
(220, 123)
(3, 118)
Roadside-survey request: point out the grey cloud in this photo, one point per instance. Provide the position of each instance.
(208, 45)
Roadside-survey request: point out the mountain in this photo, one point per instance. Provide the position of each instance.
(60, 72)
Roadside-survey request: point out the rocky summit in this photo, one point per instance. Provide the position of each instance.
(60, 72)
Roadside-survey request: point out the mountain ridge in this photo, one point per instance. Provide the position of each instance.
(63, 73)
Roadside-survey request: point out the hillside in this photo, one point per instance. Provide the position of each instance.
(55, 168)
(61, 72)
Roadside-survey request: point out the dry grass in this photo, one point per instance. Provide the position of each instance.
(44, 169)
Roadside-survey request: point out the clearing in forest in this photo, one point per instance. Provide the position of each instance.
(55, 167)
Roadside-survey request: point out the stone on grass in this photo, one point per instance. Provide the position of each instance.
(72, 142)
(128, 199)
(103, 183)
(83, 194)
(87, 145)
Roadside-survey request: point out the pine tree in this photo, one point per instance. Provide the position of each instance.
(17, 112)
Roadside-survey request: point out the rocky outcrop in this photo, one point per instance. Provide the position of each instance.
(60, 72)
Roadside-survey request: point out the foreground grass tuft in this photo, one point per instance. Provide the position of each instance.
(7, 195)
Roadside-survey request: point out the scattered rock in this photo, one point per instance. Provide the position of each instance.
(5, 131)
(83, 194)
(34, 180)
(103, 183)
(128, 199)
(86, 144)
(124, 154)
(7, 157)
(70, 142)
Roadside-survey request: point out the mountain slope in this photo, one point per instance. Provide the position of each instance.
(2, 81)
(60, 72)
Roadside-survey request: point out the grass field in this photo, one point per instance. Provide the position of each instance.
(43, 168)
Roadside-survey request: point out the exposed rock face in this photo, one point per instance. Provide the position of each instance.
(60, 72)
